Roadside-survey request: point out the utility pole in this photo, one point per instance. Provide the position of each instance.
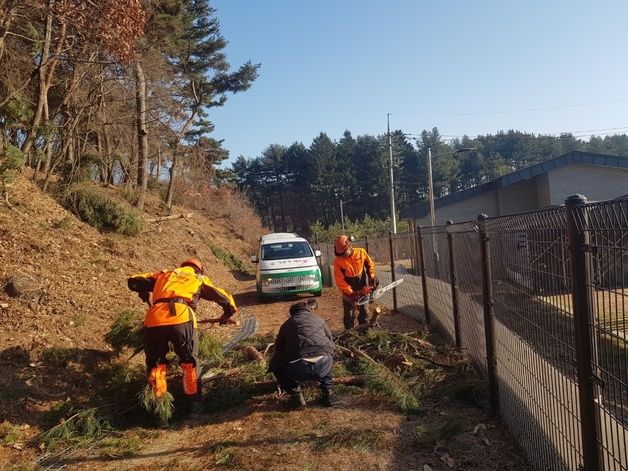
(432, 215)
(392, 182)
(342, 218)
(430, 186)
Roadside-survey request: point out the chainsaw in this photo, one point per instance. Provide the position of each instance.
(376, 293)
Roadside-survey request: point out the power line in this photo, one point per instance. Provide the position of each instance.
(522, 110)
(582, 133)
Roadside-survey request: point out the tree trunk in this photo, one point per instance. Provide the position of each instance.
(7, 13)
(142, 133)
(175, 155)
(109, 164)
(170, 194)
(46, 70)
(43, 92)
(158, 162)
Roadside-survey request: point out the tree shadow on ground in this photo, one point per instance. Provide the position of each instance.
(37, 389)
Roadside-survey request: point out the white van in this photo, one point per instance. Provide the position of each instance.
(286, 265)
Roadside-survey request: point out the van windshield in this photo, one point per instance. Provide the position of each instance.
(286, 250)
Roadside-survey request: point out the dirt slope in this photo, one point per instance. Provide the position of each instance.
(83, 275)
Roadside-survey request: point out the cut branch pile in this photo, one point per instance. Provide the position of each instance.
(388, 365)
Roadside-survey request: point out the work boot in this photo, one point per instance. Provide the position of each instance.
(160, 422)
(327, 397)
(195, 409)
(296, 399)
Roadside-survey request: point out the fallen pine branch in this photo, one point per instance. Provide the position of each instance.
(168, 218)
(355, 352)
(433, 362)
(423, 343)
(222, 375)
(345, 380)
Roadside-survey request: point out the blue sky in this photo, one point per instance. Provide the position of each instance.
(466, 67)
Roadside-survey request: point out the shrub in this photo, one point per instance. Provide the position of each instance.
(130, 195)
(232, 262)
(58, 357)
(11, 160)
(126, 331)
(209, 347)
(9, 433)
(442, 430)
(101, 211)
(358, 229)
(225, 203)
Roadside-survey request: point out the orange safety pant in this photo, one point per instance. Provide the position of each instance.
(184, 338)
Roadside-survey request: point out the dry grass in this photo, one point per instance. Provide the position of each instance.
(234, 206)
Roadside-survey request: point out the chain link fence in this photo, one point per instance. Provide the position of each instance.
(539, 303)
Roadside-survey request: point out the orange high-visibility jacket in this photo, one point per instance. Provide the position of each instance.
(353, 273)
(175, 295)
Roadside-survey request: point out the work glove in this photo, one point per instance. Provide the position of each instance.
(374, 282)
(144, 296)
(226, 320)
(355, 297)
(227, 317)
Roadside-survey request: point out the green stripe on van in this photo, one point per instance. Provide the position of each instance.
(314, 271)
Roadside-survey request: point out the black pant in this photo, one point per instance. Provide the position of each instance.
(348, 319)
(184, 339)
(301, 370)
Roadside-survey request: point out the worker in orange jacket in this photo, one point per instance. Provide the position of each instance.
(171, 319)
(354, 272)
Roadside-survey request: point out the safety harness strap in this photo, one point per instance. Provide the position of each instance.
(171, 304)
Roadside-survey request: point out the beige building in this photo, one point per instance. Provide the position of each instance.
(598, 177)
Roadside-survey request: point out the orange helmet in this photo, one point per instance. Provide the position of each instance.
(194, 263)
(341, 245)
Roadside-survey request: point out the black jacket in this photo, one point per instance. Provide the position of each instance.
(303, 335)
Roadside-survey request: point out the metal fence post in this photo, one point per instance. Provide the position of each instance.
(582, 301)
(413, 265)
(426, 304)
(489, 321)
(329, 267)
(366, 243)
(454, 287)
(392, 268)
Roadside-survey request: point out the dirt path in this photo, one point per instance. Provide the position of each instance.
(359, 433)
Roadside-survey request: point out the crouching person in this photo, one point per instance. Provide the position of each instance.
(304, 350)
